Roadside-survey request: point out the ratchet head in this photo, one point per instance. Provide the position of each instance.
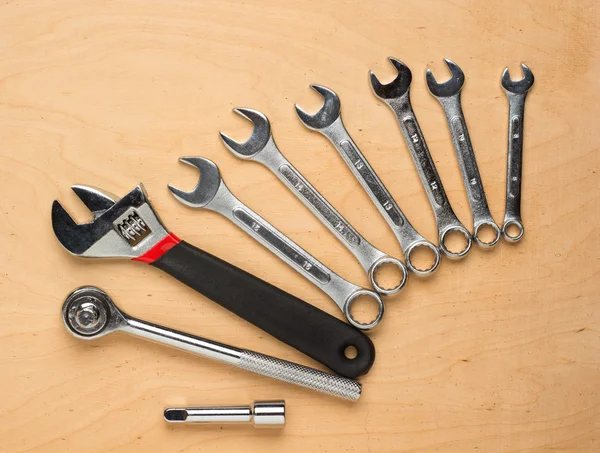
(126, 227)
(207, 187)
(88, 312)
(261, 134)
(518, 86)
(397, 87)
(450, 87)
(327, 115)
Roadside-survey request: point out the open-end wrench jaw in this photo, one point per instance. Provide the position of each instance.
(450, 87)
(261, 134)
(397, 87)
(327, 114)
(121, 228)
(518, 86)
(207, 187)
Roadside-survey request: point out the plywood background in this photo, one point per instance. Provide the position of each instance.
(497, 353)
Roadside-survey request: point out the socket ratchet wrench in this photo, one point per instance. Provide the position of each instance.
(448, 94)
(516, 92)
(88, 313)
(396, 95)
(261, 148)
(130, 228)
(328, 121)
(212, 193)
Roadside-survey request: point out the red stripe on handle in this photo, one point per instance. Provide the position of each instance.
(159, 249)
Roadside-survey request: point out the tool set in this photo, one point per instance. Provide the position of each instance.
(129, 227)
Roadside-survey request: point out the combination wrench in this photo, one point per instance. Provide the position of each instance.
(448, 94)
(328, 121)
(396, 95)
(516, 92)
(261, 148)
(89, 313)
(130, 228)
(212, 193)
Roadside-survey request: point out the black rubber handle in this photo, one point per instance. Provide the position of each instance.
(293, 321)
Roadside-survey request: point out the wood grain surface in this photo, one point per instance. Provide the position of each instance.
(499, 352)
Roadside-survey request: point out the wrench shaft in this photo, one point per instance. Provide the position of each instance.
(341, 291)
(445, 218)
(515, 157)
(375, 186)
(269, 236)
(363, 250)
(369, 257)
(466, 159)
(247, 360)
(430, 179)
(311, 198)
(357, 163)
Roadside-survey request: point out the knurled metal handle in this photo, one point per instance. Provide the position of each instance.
(300, 375)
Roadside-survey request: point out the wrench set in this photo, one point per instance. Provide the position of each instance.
(129, 227)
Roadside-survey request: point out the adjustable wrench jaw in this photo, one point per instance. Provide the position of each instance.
(327, 114)
(125, 228)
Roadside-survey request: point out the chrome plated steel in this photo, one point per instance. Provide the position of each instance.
(261, 148)
(117, 228)
(448, 94)
(328, 121)
(261, 414)
(396, 95)
(212, 193)
(88, 313)
(516, 92)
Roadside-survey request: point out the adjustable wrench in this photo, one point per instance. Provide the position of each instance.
(448, 94)
(516, 92)
(328, 121)
(88, 313)
(212, 193)
(261, 148)
(396, 95)
(130, 228)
